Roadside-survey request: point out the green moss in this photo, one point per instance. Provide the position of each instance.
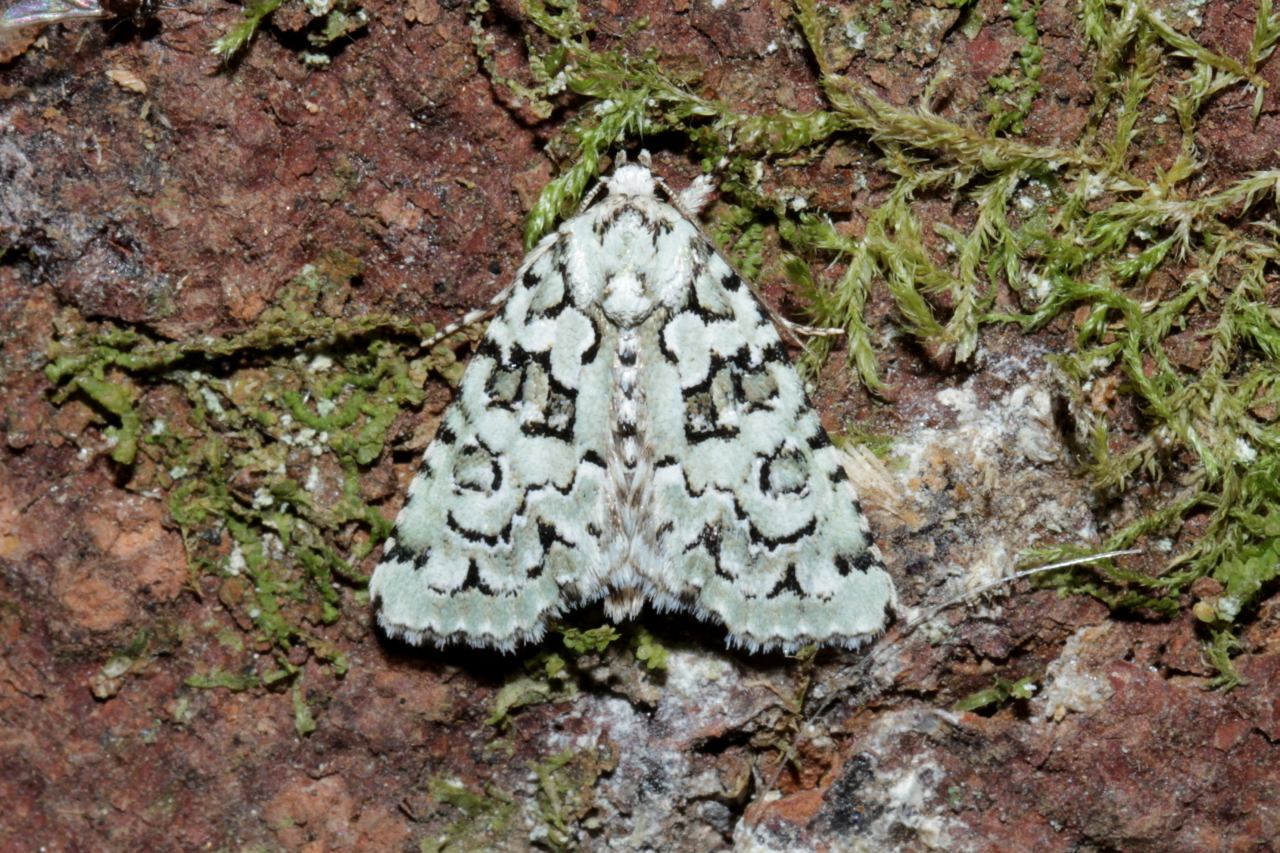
(303, 721)
(998, 694)
(648, 650)
(225, 680)
(565, 799)
(531, 689)
(1013, 96)
(133, 659)
(853, 435)
(261, 439)
(329, 21)
(592, 640)
(485, 817)
(566, 783)
(548, 676)
(255, 12)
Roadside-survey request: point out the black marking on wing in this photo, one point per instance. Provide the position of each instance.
(766, 483)
(502, 388)
(400, 554)
(703, 313)
(667, 353)
(688, 487)
(562, 269)
(701, 413)
(445, 434)
(474, 581)
(495, 468)
(560, 413)
(503, 536)
(789, 583)
(590, 353)
(819, 438)
(488, 348)
(709, 540)
(425, 468)
(772, 543)
(745, 360)
(549, 537)
(530, 280)
(553, 311)
(861, 562)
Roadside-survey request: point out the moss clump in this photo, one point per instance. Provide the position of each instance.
(484, 817)
(1000, 693)
(260, 440)
(566, 795)
(326, 22)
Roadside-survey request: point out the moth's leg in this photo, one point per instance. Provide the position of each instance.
(795, 330)
(472, 317)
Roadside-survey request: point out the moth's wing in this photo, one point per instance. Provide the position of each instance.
(29, 13)
(755, 521)
(502, 521)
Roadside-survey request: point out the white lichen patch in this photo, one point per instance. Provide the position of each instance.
(659, 772)
(876, 803)
(995, 475)
(1071, 685)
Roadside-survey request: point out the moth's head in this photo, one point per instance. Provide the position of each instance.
(631, 179)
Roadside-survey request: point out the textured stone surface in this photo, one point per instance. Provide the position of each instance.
(185, 209)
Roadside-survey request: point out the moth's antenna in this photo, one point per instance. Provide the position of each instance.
(1003, 581)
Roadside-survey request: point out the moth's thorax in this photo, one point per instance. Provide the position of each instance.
(626, 300)
(630, 255)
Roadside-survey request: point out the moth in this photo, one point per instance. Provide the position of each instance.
(39, 13)
(631, 431)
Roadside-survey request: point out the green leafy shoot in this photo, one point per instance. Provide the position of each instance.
(998, 694)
